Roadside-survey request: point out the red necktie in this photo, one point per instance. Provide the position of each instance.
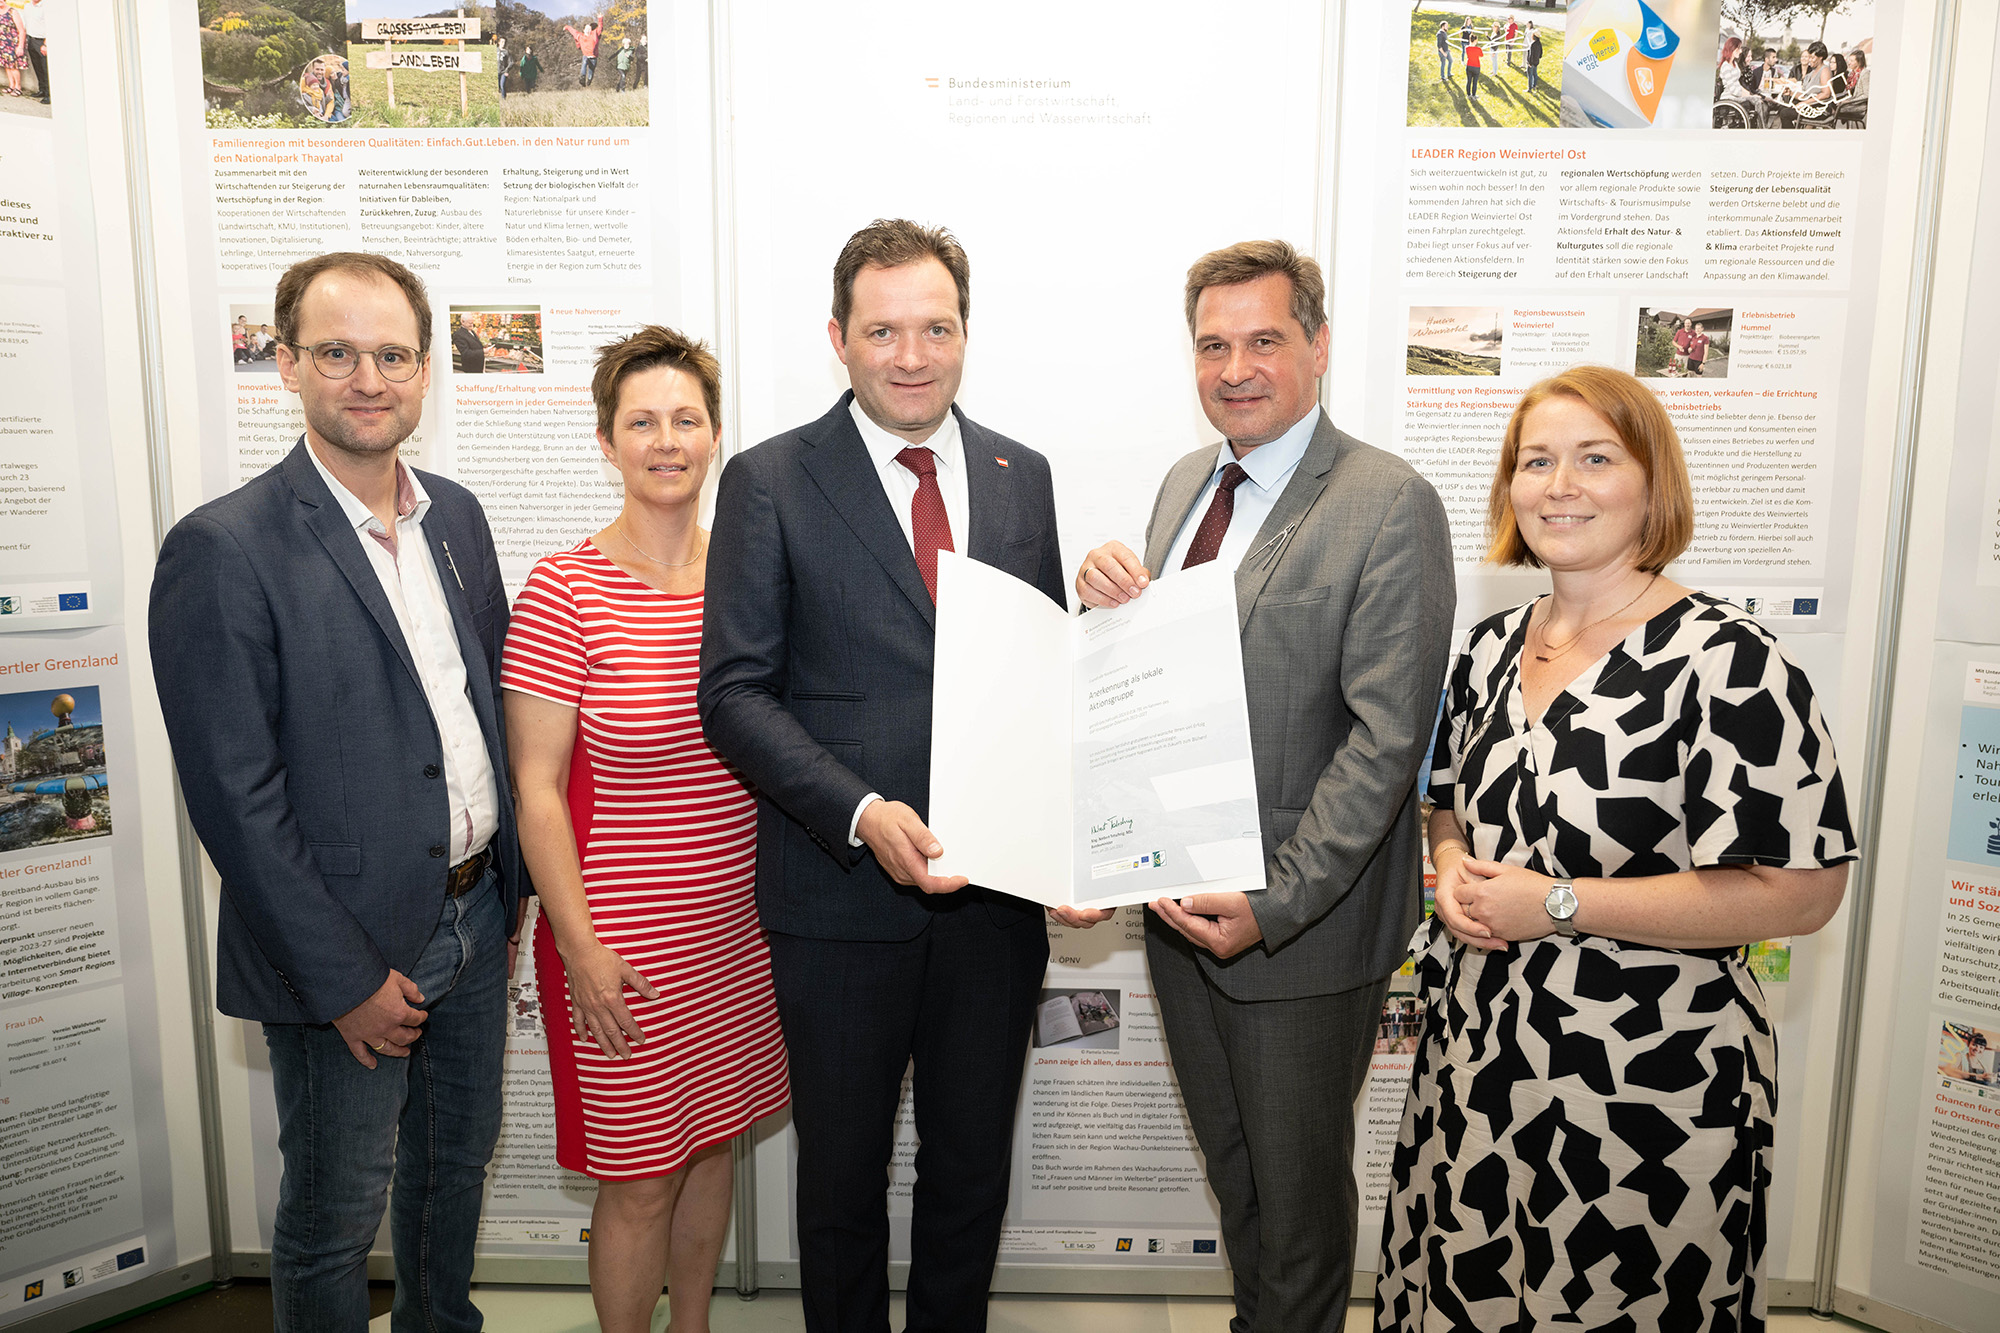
(930, 528)
(1208, 537)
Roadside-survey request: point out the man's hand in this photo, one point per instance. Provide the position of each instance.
(904, 846)
(1233, 929)
(1082, 918)
(384, 1023)
(1111, 576)
(514, 936)
(597, 981)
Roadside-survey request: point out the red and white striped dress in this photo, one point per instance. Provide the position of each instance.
(667, 836)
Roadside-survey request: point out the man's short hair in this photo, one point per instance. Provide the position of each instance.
(653, 346)
(292, 289)
(892, 243)
(1642, 427)
(1246, 261)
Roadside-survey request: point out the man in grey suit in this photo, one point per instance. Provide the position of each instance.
(816, 662)
(326, 641)
(1344, 588)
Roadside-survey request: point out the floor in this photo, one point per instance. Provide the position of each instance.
(247, 1306)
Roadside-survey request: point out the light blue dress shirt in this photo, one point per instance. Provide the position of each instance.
(1269, 468)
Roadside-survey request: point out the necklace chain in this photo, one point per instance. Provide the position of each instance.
(619, 523)
(1578, 636)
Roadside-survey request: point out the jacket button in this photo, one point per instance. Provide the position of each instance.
(437, 851)
(432, 770)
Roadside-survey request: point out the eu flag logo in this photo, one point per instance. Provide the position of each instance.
(73, 601)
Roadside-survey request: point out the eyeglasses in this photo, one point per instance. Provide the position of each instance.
(337, 361)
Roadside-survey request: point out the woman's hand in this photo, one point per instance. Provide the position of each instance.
(1455, 887)
(597, 981)
(1508, 903)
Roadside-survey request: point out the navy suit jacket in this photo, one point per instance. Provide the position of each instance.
(312, 766)
(816, 657)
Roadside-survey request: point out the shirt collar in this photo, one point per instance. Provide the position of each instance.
(883, 447)
(1269, 464)
(412, 500)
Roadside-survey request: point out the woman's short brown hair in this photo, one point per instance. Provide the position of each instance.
(654, 345)
(1642, 427)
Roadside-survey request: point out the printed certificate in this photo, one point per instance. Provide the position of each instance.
(1096, 760)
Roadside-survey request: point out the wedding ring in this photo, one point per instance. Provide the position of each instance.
(380, 1044)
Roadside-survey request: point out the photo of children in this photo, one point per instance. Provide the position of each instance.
(1794, 66)
(1453, 340)
(253, 340)
(1674, 344)
(566, 64)
(1485, 66)
(1085, 1020)
(53, 786)
(1967, 1054)
(1402, 1025)
(495, 339)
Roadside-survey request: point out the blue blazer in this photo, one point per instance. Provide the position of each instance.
(312, 767)
(816, 657)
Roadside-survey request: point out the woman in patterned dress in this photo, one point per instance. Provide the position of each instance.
(13, 46)
(1633, 781)
(655, 977)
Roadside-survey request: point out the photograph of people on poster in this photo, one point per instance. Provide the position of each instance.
(1485, 66)
(1402, 1025)
(496, 339)
(24, 58)
(1077, 1019)
(1454, 340)
(1794, 66)
(1967, 1054)
(1683, 344)
(574, 64)
(53, 786)
(253, 339)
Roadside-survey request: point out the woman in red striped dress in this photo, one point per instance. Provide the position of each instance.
(656, 982)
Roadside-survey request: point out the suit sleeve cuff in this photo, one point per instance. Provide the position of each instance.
(855, 823)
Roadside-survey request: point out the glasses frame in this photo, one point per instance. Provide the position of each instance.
(313, 350)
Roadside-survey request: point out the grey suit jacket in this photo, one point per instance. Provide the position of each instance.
(1345, 605)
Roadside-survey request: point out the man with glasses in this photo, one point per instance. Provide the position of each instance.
(326, 640)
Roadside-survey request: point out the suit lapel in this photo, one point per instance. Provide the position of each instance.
(989, 499)
(839, 465)
(478, 672)
(1177, 496)
(1273, 539)
(328, 522)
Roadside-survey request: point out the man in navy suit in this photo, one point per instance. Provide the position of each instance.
(816, 682)
(326, 640)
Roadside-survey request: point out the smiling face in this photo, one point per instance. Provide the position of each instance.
(1255, 369)
(662, 441)
(904, 346)
(364, 415)
(1578, 494)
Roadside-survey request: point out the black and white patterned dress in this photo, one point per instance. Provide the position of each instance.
(1587, 1138)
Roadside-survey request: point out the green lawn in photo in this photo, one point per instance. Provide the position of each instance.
(600, 104)
(425, 98)
(1504, 99)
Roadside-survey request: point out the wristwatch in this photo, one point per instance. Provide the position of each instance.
(1561, 907)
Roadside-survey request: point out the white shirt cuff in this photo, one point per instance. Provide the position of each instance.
(855, 822)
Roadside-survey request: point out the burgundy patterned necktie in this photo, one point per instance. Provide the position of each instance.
(1215, 523)
(930, 528)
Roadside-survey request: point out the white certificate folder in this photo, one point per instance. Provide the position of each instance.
(1096, 760)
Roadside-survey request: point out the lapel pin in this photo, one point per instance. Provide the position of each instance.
(1001, 461)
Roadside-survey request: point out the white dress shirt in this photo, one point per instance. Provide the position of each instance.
(1269, 468)
(410, 580)
(900, 485)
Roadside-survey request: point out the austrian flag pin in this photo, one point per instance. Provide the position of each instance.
(1001, 461)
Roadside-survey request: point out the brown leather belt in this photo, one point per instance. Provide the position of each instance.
(464, 876)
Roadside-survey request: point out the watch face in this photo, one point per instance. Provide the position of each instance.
(1561, 902)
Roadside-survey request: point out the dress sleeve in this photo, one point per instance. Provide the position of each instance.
(545, 653)
(1763, 786)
